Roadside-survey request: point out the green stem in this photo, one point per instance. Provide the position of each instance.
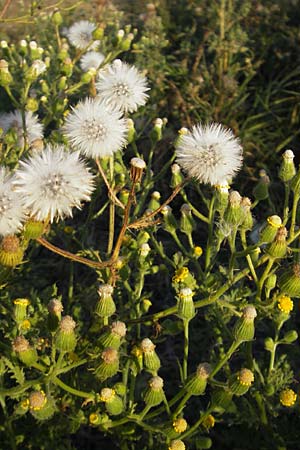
(71, 390)
(225, 358)
(248, 257)
(181, 405)
(294, 213)
(264, 277)
(186, 348)
(197, 424)
(210, 233)
(286, 203)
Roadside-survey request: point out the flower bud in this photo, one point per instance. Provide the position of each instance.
(209, 422)
(186, 307)
(287, 397)
(187, 223)
(289, 281)
(20, 309)
(290, 337)
(131, 136)
(177, 176)
(154, 395)
(234, 214)
(278, 248)
(170, 223)
(105, 306)
(65, 339)
(197, 251)
(144, 250)
(57, 18)
(41, 406)
(269, 344)
(247, 222)
(240, 382)
(150, 357)
(244, 326)
(55, 309)
(198, 382)
(137, 168)
(261, 190)
(98, 33)
(120, 389)
(287, 169)
(221, 197)
(145, 305)
(35, 70)
(5, 76)
(113, 403)
(156, 133)
(25, 352)
(154, 202)
(142, 238)
(113, 336)
(177, 444)
(221, 399)
(33, 229)
(11, 252)
(109, 365)
(270, 229)
(271, 282)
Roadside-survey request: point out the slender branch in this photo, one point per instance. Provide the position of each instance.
(110, 190)
(72, 256)
(5, 7)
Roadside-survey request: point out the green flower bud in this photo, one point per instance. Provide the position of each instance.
(269, 344)
(177, 176)
(62, 83)
(289, 281)
(156, 133)
(120, 389)
(244, 326)
(11, 252)
(154, 202)
(33, 229)
(271, 281)
(187, 223)
(65, 339)
(113, 336)
(151, 360)
(131, 136)
(20, 309)
(5, 76)
(247, 223)
(67, 67)
(105, 306)
(240, 382)
(154, 395)
(88, 76)
(186, 307)
(57, 18)
(113, 403)
(221, 197)
(290, 337)
(234, 214)
(109, 365)
(269, 231)
(41, 406)
(196, 385)
(221, 399)
(278, 248)
(32, 104)
(177, 444)
(261, 190)
(25, 352)
(170, 223)
(55, 309)
(145, 305)
(287, 169)
(98, 33)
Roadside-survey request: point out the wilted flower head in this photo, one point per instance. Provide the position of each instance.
(80, 34)
(91, 60)
(95, 130)
(11, 208)
(210, 153)
(13, 120)
(51, 183)
(122, 86)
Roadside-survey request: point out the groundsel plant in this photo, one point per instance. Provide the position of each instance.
(139, 322)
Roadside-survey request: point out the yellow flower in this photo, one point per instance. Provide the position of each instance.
(198, 251)
(209, 422)
(287, 397)
(245, 377)
(26, 325)
(22, 301)
(285, 304)
(180, 425)
(274, 221)
(93, 418)
(180, 275)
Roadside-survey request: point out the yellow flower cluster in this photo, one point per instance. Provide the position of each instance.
(180, 275)
(285, 304)
(287, 397)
